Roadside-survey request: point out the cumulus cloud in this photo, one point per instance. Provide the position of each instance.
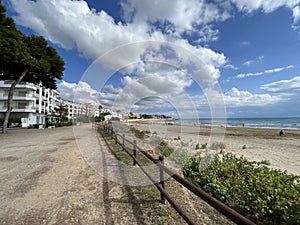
(275, 70)
(237, 98)
(183, 15)
(72, 24)
(296, 14)
(81, 92)
(283, 85)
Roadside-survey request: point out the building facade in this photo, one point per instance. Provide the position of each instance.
(35, 104)
(31, 103)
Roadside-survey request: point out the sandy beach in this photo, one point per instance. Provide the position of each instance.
(283, 152)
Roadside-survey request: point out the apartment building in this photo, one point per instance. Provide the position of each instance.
(31, 103)
(80, 109)
(35, 104)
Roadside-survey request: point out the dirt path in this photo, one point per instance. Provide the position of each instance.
(45, 180)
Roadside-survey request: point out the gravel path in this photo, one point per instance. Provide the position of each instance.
(45, 180)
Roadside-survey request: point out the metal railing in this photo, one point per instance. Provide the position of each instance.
(218, 205)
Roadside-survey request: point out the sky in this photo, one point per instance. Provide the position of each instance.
(196, 58)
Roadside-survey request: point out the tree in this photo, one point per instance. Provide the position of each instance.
(62, 112)
(27, 58)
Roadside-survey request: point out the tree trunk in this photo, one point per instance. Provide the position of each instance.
(10, 100)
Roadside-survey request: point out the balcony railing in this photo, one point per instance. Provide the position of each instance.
(23, 85)
(19, 109)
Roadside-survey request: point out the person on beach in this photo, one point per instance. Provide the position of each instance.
(281, 133)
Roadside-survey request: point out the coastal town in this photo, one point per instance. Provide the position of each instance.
(149, 112)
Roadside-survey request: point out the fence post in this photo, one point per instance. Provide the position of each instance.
(161, 178)
(123, 142)
(134, 152)
(116, 137)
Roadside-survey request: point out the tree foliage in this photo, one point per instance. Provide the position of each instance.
(25, 58)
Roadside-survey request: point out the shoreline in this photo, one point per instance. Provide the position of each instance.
(259, 144)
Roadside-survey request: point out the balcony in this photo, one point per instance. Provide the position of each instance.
(20, 109)
(16, 97)
(22, 85)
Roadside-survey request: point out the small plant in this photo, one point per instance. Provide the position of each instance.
(177, 138)
(140, 133)
(164, 148)
(218, 145)
(244, 147)
(204, 146)
(197, 146)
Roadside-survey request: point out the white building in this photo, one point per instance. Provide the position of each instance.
(31, 103)
(80, 109)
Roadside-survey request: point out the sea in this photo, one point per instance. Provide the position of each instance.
(271, 123)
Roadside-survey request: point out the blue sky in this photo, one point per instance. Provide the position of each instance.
(238, 58)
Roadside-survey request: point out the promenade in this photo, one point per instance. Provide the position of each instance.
(45, 180)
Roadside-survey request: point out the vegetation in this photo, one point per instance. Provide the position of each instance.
(217, 146)
(61, 112)
(265, 195)
(177, 138)
(164, 148)
(12, 121)
(25, 58)
(140, 133)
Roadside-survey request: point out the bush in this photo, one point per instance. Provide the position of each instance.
(139, 133)
(12, 121)
(217, 146)
(164, 148)
(265, 195)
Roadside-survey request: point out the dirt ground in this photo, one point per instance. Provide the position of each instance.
(45, 180)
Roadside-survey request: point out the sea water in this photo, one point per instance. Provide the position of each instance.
(276, 123)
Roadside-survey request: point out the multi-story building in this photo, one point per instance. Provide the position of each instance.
(34, 104)
(31, 103)
(79, 109)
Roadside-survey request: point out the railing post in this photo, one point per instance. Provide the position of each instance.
(134, 152)
(161, 178)
(123, 142)
(116, 137)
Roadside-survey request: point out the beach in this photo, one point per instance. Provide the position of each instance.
(256, 144)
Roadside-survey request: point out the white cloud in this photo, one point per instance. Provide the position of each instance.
(283, 85)
(266, 5)
(230, 66)
(81, 92)
(72, 24)
(275, 70)
(269, 6)
(237, 98)
(296, 14)
(249, 62)
(183, 15)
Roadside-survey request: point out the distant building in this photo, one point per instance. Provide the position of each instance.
(76, 110)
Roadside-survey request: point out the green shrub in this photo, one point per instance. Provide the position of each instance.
(217, 146)
(164, 148)
(177, 138)
(197, 146)
(140, 133)
(204, 146)
(266, 195)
